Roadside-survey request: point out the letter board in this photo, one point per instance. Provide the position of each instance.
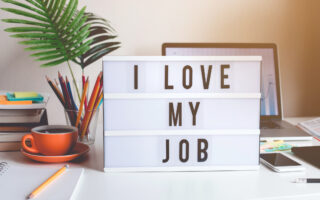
(181, 113)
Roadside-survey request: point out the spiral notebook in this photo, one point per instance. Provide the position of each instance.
(17, 181)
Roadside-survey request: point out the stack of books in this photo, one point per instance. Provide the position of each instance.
(19, 113)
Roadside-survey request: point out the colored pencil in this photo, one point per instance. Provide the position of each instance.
(64, 86)
(56, 91)
(96, 107)
(62, 89)
(96, 104)
(84, 92)
(67, 99)
(73, 104)
(57, 84)
(100, 102)
(47, 182)
(83, 80)
(100, 89)
(79, 116)
(90, 106)
(70, 94)
(72, 108)
(85, 97)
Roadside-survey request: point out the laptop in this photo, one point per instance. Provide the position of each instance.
(272, 126)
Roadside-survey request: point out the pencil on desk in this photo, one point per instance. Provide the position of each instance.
(89, 110)
(82, 101)
(48, 181)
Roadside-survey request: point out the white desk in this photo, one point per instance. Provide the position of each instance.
(260, 184)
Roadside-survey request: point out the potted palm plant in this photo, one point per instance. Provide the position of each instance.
(58, 32)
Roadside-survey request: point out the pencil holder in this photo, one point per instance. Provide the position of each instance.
(87, 124)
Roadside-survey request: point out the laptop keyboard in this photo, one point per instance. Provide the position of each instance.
(269, 125)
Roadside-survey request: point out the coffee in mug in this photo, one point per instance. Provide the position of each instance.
(51, 140)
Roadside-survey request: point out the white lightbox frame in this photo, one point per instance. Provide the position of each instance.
(253, 133)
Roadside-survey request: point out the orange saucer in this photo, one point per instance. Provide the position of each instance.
(79, 150)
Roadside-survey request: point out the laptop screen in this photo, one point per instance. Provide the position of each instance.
(269, 101)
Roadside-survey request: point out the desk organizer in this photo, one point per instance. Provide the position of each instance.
(181, 113)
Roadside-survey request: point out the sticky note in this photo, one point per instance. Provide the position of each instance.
(11, 97)
(25, 94)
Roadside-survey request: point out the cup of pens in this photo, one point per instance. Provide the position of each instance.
(85, 114)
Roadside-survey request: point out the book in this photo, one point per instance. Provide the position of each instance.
(311, 126)
(28, 113)
(12, 133)
(23, 127)
(16, 128)
(12, 137)
(10, 146)
(18, 181)
(10, 124)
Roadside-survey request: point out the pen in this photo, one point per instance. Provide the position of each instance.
(48, 181)
(307, 180)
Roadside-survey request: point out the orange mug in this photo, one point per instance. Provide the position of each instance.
(51, 140)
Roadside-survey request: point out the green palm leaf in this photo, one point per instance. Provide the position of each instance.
(47, 29)
(100, 33)
(51, 29)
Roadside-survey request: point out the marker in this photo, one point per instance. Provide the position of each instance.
(307, 180)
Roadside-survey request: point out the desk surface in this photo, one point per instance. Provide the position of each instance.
(260, 184)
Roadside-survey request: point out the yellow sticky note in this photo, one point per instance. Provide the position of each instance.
(25, 94)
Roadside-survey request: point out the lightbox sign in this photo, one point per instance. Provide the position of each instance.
(181, 113)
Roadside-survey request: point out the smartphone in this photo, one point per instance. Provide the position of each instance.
(278, 162)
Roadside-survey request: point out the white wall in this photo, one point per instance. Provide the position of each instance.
(143, 25)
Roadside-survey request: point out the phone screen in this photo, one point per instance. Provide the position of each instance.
(277, 159)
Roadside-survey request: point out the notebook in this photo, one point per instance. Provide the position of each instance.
(12, 136)
(17, 182)
(311, 126)
(10, 146)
